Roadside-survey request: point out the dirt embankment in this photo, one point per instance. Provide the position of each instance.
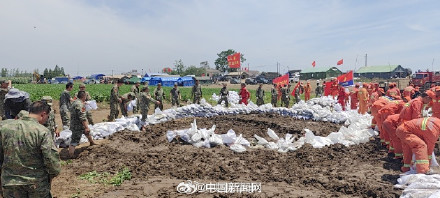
(158, 166)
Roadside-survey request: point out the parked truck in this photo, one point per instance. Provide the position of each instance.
(425, 79)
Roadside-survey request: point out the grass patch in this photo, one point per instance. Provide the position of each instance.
(106, 178)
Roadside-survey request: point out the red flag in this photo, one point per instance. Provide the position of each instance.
(234, 60)
(340, 62)
(313, 64)
(346, 79)
(282, 80)
(328, 88)
(296, 87)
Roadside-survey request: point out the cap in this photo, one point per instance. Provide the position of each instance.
(47, 99)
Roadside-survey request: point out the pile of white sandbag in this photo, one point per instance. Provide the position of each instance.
(207, 138)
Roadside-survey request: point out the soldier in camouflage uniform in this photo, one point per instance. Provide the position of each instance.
(135, 89)
(28, 156)
(224, 95)
(196, 92)
(65, 103)
(260, 95)
(159, 95)
(298, 92)
(126, 98)
(319, 90)
(78, 123)
(50, 123)
(274, 94)
(287, 99)
(175, 96)
(22, 114)
(3, 91)
(145, 100)
(283, 95)
(114, 100)
(82, 87)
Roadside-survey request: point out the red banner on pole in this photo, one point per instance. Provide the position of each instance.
(314, 64)
(282, 80)
(340, 62)
(234, 60)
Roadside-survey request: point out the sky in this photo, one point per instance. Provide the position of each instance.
(114, 36)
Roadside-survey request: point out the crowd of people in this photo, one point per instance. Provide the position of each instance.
(30, 160)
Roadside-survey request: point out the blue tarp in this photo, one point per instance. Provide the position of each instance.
(186, 81)
(155, 80)
(96, 76)
(77, 78)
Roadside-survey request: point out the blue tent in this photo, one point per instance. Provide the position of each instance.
(155, 74)
(169, 81)
(145, 80)
(155, 80)
(96, 76)
(186, 81)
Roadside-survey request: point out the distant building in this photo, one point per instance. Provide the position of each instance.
(383, 71)
(319, 73)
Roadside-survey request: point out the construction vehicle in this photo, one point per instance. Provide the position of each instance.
(425, 79)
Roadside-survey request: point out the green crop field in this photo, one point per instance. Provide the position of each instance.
(101, 92)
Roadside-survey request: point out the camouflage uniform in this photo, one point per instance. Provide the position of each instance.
(64, 107)
(88, 113)
(298, 93)
(114, 96)
(22, 114)
(145, 104)
(224, 96)
(196, 93)
(78, 116)
(136, 91)
(159, 96)
(287, 97)
(283, 96)
(3, 93)
(274, 93)
(260, 96)
(175, 92)
(125, 102)
(318, 91)
(50, 122)
(28, 157)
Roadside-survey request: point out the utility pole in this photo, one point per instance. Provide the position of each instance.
(366, 57)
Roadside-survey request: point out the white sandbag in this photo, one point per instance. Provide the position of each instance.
(261, 141)
(215, 140)
(171, 135)
(230, 137)
(237, 148)
(272, 134)
(91, 105)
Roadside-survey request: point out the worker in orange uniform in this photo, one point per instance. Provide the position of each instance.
(393, 91)
(244, 94)
(363, 99)
(370, 88)
(374, 97)
(419, 137)
(307, 91)
(342, 96)
(334, 88)
(436, 103)
(414, 108)
(389, 126)
(353, 97)
(391, 108)
(374, 111)
(408, 91)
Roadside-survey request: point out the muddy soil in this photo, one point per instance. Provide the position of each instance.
(158, 166)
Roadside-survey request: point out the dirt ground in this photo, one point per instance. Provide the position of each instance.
(158, 167)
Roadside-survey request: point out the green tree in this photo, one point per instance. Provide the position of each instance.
(221, 63)
(46, 73)
(179, 67)
(193, 70)
(62, 72)
(4, 72)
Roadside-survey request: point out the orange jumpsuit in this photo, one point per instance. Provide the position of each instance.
(391, 108)
(307, 91)
(393, 92)
(342, 96)
(245, 95)
(374, 112)
(420, 136)
(412, 110)
(363, 100)
(408, 91)
(374, 97)
(354, 98)
(370, 88)
(389, 126)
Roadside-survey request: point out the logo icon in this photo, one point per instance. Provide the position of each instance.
(188, 187)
